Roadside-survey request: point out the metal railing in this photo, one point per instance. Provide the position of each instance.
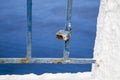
(65, 60)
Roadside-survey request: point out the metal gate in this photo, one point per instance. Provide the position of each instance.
(62, 34)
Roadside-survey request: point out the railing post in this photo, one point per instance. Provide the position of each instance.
(29, 30)
(68, 28)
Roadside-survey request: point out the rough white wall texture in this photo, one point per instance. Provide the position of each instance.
(107, 45)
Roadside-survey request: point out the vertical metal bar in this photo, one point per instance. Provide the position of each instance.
(68, 28)
(29, 29)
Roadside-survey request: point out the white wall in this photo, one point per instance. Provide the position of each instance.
(107, 44)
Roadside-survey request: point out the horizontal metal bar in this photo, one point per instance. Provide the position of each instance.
(47, 61)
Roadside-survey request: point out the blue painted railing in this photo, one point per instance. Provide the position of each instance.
(65, 60)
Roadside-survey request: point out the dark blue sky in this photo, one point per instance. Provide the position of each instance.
(48, 18)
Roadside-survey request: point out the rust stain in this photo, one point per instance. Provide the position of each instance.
(58, 61)
(24, 60)
(2, 62)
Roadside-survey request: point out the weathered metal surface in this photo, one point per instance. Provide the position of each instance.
(24, 60)
(12, 60)
(68, 28)
(46, 61)
(29, 30)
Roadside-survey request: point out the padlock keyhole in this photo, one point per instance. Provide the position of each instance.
(59, 36)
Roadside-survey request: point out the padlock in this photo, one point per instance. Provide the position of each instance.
(63, 35)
